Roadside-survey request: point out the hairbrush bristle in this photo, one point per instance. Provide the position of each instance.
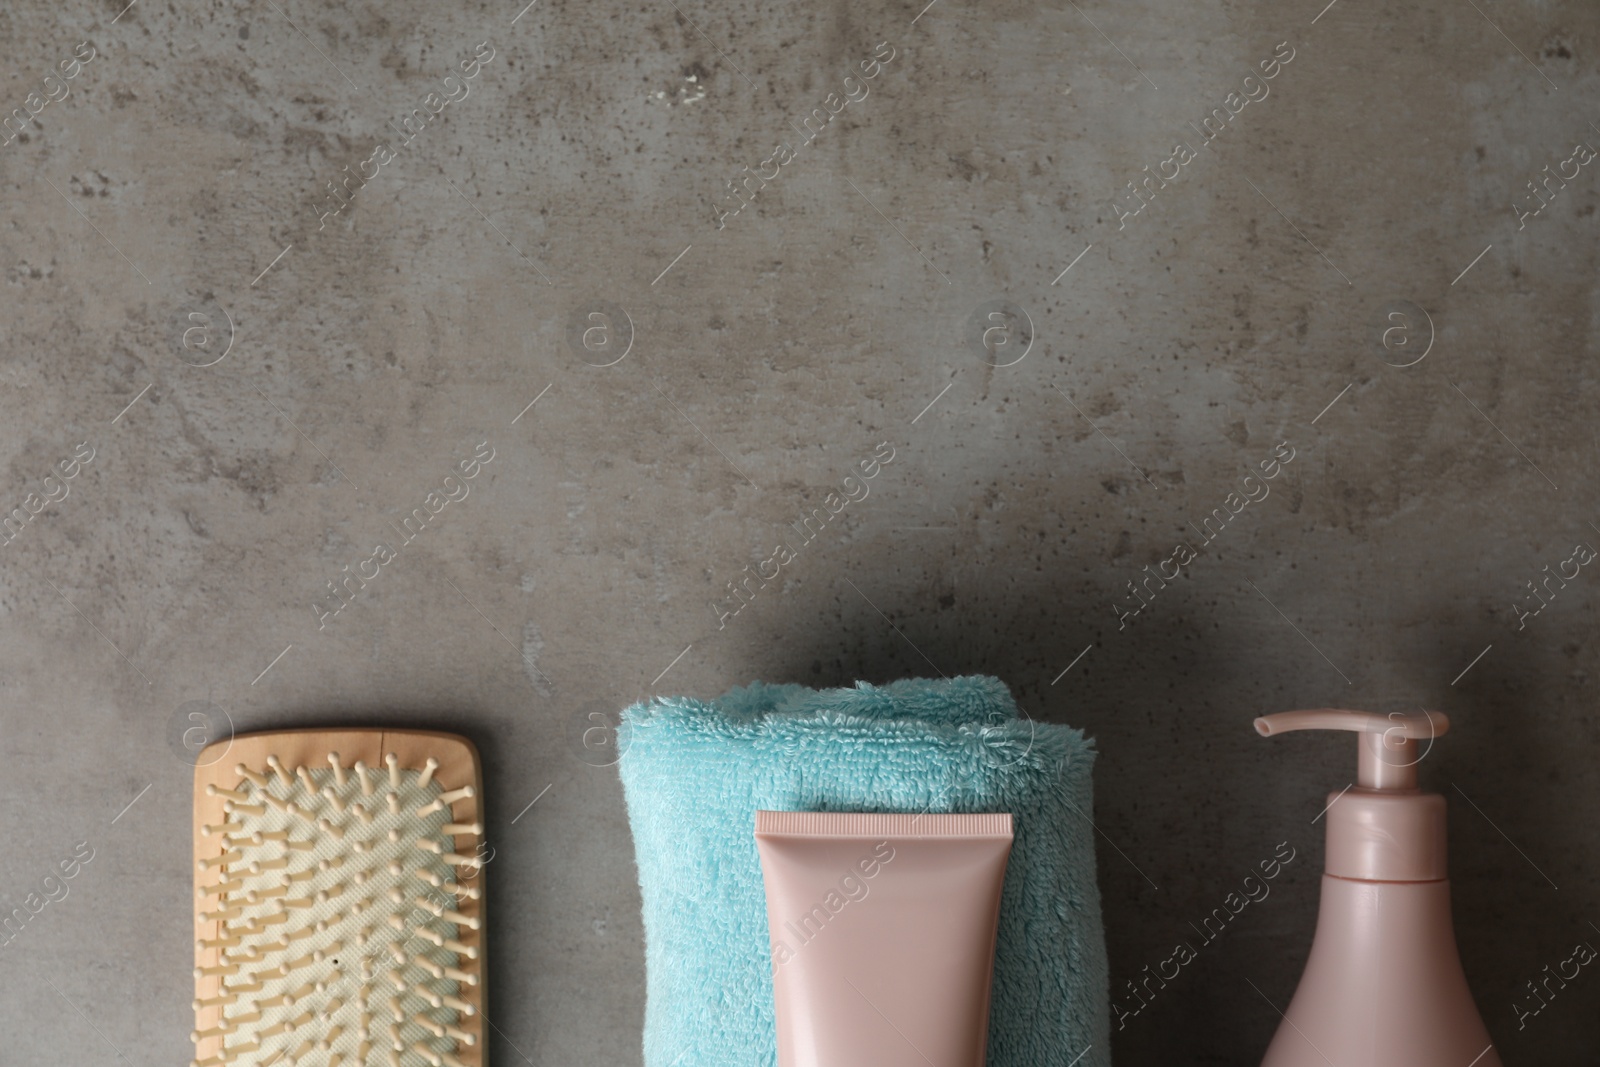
(338, 930)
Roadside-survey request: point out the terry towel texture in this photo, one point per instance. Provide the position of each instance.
(696, 772)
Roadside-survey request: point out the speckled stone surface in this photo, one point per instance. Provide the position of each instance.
(278, 274)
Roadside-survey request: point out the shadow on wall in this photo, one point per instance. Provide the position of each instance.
(1523, 786)
(1189, 800)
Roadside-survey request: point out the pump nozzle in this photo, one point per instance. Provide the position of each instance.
(1388, 745)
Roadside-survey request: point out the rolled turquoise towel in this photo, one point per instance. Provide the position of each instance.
(696, 772)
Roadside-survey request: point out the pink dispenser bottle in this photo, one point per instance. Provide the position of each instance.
(1383, 986)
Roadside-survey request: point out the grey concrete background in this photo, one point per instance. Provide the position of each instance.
(1243, 307)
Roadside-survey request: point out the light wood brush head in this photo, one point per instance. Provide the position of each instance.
(339, 908)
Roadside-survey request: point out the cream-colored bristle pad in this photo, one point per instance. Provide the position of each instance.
(339, 914)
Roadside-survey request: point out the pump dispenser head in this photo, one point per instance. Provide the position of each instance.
(1383, 828)
(1383, 986)
(1388, 752)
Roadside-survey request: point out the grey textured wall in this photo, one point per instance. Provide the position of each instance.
(1351, 266)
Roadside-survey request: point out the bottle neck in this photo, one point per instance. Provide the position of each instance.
(1381, 835)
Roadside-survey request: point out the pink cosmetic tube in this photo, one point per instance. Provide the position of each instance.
(882, 930)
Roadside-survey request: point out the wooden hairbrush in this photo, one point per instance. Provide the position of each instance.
(339, 904)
